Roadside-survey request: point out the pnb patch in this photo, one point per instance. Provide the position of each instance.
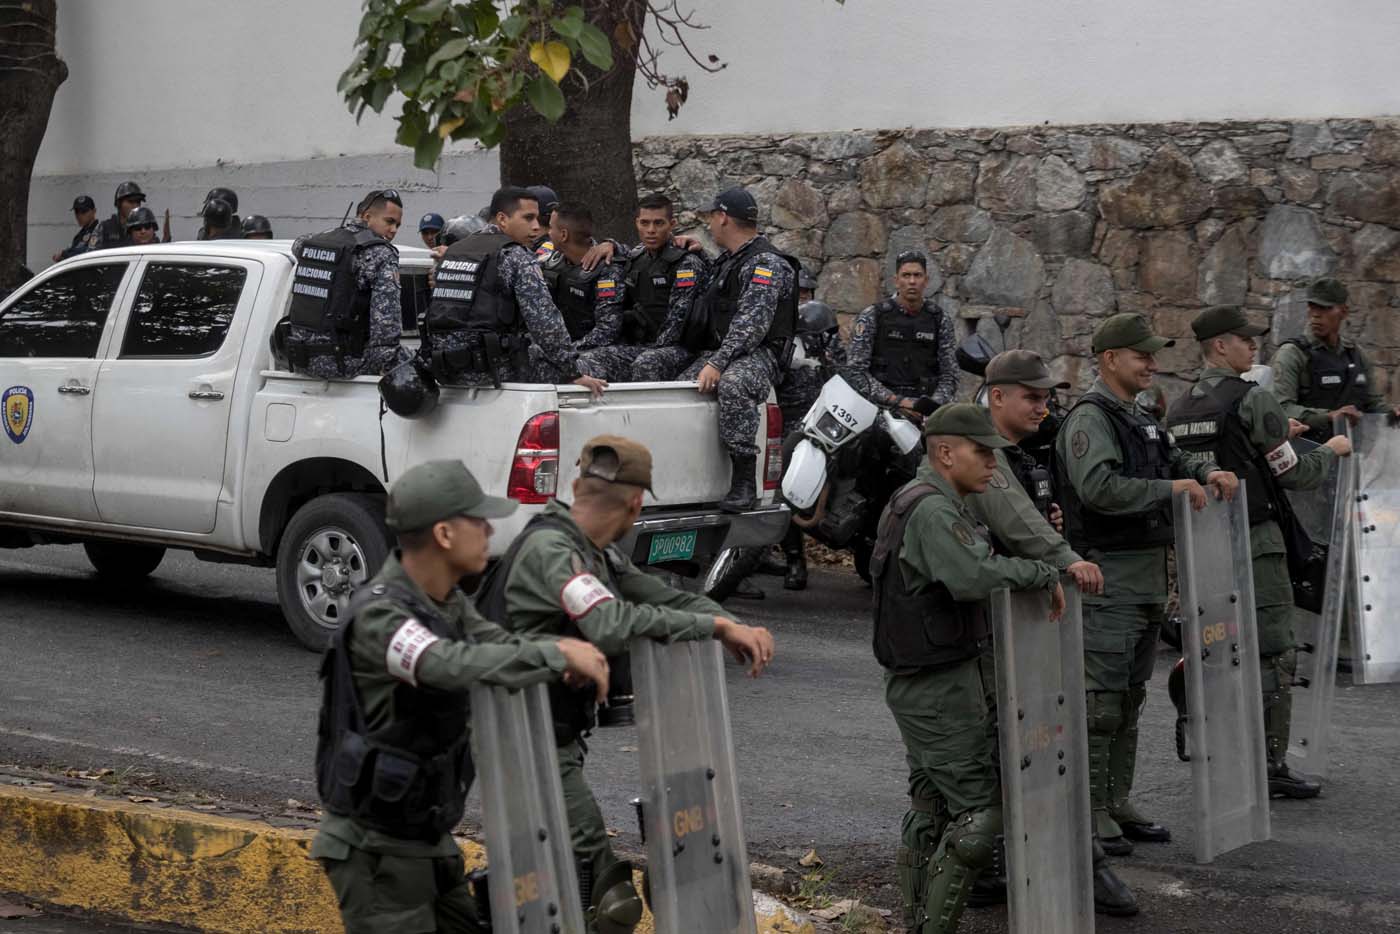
(999, 480)
(1331, 381)
(607, 288)
(762, 275)
(685, 278)
(963, 533)
(19, 412)
(582, 593)
(1151, 432)
(1079, 444)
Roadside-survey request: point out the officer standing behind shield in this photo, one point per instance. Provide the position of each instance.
(563, 575)
(932, 570)
(88, 236)
(1323, 374)
(345, 315)
(1117, 473)
(395, 717)
(229, 197)
(1246, 429)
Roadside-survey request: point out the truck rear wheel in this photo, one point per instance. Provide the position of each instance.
(122, 561)
(334, 544)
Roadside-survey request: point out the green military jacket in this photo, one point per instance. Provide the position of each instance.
(1009, 513)
(555, 582)
(943, 543)
(1291, 376)
(1130, 576)
(485, 653)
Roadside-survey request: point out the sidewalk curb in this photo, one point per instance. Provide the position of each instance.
(216, 874)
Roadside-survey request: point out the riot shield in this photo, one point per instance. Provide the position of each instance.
(1328, 514)
(696, 857)
(1225, 732)
(1045, 763)
(1375, 643)
(530, 861)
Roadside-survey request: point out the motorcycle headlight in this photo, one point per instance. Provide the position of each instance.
(831, 429)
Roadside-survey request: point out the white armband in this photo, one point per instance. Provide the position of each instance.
(1282, 459)
(582, 593)
(406, 648)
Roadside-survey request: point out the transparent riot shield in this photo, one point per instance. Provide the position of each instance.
(1328, 513)
(696, 857)
(1375, 641)
(1045, 763)
(1225, 732)
(530, 862)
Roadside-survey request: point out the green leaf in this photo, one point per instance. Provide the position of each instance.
(368, 24)
(425, 154)
(451, 71)
(394, 34)
(491, 135)
(429, 12)
(568, 28)
(411, 76)
(412, 125)
(380, 93)
(487, 21)
(544, 95)
(594, 45)
(448, 50)
(512, 27)
(413, 34)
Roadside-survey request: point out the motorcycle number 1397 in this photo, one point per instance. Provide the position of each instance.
(842, 414)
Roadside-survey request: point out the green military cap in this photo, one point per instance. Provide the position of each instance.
(1022, 367)
(1128, 330)
(617, 460)
(1327, 292)
(1224, 319)
(965, 420)
(438, 490)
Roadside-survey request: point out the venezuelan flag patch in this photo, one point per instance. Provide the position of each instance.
(685, 278)
(546, 248)
(607, 288)
(762, 275)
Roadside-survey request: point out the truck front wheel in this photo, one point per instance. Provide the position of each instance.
(123, 561)
(334, 544)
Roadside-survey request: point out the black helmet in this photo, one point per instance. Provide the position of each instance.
(256, 224)
(141, 217)
(128, 190)
(547, 197)
(815, 318)
(227, 195)
(457, 228)
(409, 390)
(217, 213)
(805, 280)
(974, 353)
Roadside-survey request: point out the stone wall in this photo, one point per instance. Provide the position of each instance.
(1058, 227)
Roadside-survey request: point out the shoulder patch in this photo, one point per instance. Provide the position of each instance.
(406, 648)
(762, 275)
(582, 593)
(963, 533)
(999, 480)
(1079, 444)
(1273, 424)
(685, 278)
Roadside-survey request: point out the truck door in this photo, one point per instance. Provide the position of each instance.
(160, 423)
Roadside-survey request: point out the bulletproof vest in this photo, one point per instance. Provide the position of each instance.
(1145, 455)
(1333, 379)
(1034, 479)
(408, 778)
(326, 296)
(468, 294)
(575, 710)
(905, 354)
(575, 292)
(714, 311)
(917, 630)
(649, 279)
(1210, 424)
(112, 233)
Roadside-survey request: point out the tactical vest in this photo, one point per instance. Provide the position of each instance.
(1210, 424)
(111, 233)
(410, 777)
(917, 630)
(1034, 479)
(1145, 455)
(1332, 380)
(575, 710)
(905, 355)
(326, 297)
(714, 311)
(575, 292)
(649, 279)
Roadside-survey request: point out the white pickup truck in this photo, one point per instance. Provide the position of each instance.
(142, 412)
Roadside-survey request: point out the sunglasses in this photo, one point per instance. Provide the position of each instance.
(145, 227)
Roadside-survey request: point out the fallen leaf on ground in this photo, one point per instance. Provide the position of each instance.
(810, 860)
(836, 910)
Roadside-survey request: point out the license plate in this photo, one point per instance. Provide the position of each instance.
(671, 546)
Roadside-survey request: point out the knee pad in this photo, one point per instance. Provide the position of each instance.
(617, 908)
(973, 838)
(1105, 710)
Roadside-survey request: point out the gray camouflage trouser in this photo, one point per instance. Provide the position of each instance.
(613, 363)
(743, 387)
(659, 364)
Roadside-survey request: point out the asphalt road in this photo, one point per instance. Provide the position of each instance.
(193, 679)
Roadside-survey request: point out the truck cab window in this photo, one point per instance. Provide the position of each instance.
(62, 316)
(182, 310)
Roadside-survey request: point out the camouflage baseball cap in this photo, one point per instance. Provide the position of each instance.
(1224, 319)
(1022, 367)
(1327, 292)
(965, 420)
(1131, 331)
(438, 490)
(617, 460)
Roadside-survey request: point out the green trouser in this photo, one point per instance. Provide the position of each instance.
(588, 833)
(955, 795)
(1120, 649)
(1278, 657)
(380, 892)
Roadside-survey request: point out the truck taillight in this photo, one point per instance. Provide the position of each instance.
(534, 474)
(773, 451)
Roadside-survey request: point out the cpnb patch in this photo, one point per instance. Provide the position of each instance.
(19, 412)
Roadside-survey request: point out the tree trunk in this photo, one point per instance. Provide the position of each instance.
(587, 155)
(30, 73)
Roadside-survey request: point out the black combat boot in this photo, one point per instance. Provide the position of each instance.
(796, 577)
(1111, 894)
(743, 489)
(1290, 784)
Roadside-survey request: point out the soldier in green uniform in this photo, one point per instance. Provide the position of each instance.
(563, 575)
(1322, 375)
(1116, 474)
(393, 761)
(1244, 429)
(932, 570)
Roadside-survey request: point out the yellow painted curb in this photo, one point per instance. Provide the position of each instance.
(216, 874)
